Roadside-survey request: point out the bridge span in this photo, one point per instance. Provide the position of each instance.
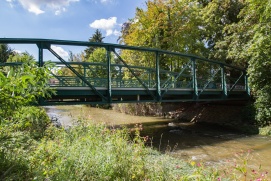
(121, 74)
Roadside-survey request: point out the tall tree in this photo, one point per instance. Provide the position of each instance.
(251, 42)
(5, 51)
(166, 25)
(189, 26)
(169, 25)
(217, 16)
(96, 37)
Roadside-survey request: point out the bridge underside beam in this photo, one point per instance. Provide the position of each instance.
(83, 96)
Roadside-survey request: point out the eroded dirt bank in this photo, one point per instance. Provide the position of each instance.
(230, 114)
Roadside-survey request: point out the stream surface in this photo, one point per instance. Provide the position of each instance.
(210, 144)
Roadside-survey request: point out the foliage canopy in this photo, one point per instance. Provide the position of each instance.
(232, 31)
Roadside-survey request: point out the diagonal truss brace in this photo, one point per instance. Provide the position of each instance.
(233, 86)
(209, 81)
(57, 77)
(139, 80)
(76, 73)
(166, 84)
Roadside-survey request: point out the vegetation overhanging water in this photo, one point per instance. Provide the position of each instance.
(213, 145)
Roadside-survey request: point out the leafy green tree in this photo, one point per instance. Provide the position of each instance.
(260, 56)
(22, 85)
(169, 25)
(247, 43)
(5, 51)
(188, 26)
(24, 57)
(217, 16)
(99, 68)
(96, 37)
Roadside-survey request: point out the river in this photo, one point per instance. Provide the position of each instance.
(212, 145)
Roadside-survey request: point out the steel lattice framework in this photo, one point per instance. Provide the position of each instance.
(121, 76)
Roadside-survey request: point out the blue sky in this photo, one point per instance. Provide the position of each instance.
(64, 19)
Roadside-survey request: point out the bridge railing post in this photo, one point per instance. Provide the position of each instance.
(246, 84)
(223, 82)
(120, 76)
(109, 88)
(194, 79)
(84, 75)
(157, 69)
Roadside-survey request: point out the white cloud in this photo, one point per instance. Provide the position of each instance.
(18, 51)
(105, 1)
(10, 3)
(58, 12)
(60, 51)
(117, 33)
(109, 25)
(40, 6)
(102, 1)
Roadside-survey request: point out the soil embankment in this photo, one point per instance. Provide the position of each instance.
(229, 114)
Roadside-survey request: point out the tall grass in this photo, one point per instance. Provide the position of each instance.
(95, 152)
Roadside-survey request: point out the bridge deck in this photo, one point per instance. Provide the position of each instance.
(84, 95)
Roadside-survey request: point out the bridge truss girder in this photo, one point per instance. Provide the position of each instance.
(155, 89)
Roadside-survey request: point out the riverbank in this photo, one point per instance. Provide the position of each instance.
(79, 154)
(89, 150)
(231, 115)
(183, 140)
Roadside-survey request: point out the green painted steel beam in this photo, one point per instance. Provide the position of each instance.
(246, 85)
(153, 84)
(96, 44)
(76, 73)
(157, 77)
(208, 82)
(139, 80)
(195, 84)
(223, 82)
(109, 88)
(233, 86)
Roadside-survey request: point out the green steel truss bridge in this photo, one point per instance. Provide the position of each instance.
(123, 74)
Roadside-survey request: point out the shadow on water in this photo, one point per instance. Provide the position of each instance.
(165, 135)
(211, 143)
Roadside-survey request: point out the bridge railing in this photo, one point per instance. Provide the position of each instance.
(158, 72)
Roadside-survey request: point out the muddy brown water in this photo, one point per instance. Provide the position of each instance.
(210, 144)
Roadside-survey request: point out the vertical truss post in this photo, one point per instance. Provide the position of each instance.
(223, 82)
(120, 76)
(133, 73)
(84, 74)
(195, 84)
(149, 77)
(40, 46)
(157, 69)
(246, 84)
(109, 88)
(76, 73)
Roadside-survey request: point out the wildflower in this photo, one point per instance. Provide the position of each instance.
(254, 171)
(193, 163)
(146, 138)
